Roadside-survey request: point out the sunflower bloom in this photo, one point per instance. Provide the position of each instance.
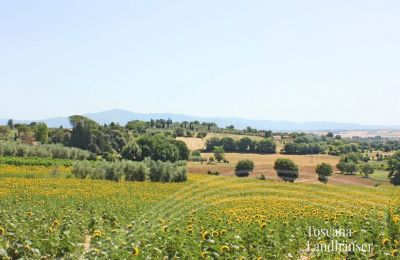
(225, 248)
(135, 251)
(385, 242)
(205, 235)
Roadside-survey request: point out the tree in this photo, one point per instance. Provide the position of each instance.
(367, 169)
(41, 132)
(82, 128)
(245, 145)
(268, 134)
(266, 146)
(350, 168)
(10, 123)
(183, 149)
(330, 134)
(323, 170)
(137, 126)
(219, 153)
(229, 144)
(243, 168)
(286, 169)
(394, 169)
(179, 132)
(211, 143)
(132, 151)
(158, 147)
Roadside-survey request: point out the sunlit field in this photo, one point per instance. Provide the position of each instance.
(205, 217)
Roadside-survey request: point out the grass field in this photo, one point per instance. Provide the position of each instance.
(208, 216)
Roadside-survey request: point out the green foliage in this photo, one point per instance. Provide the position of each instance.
(323, 170)
(155, 171)
(394, 169)
(302, 148)
(34, 161)
(215, 173)
(243, 168)
(131, 151)
(245, 145)
(367, 169)
(160, 147)
(137, 126)
(202, 134)
(211, 143)
(55, 151)
(350, 168)
(82, 130)
(286, 169)
(183, 149)
(228, 144)
(179, 132)
(348, 163)
(41, 133)
(136, 171)
(10, 123)
(219, 153)
(266, 146)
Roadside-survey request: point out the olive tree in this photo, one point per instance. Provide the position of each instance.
(367, 169)
(323, 170)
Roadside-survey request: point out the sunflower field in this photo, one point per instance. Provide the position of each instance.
(206, 217)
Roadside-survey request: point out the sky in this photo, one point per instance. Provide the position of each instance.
(274, 60)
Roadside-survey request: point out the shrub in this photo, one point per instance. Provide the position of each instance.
(216, 173)
(166, 171)
(136, 171)
(83, 170)
(243, 168)
(155, 171)
(55, 151)
(201, 134)
(286, 169)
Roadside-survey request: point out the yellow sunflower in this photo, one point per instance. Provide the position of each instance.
(225, 248)
(385, 242)
(205, 235)
(135, 251)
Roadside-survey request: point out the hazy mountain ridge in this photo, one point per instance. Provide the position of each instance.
(123, 116)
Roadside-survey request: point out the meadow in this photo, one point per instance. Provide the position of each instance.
(206, 217)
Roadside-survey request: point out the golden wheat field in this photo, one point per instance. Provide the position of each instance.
(264, 164)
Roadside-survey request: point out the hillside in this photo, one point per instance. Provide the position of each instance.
(123, 116)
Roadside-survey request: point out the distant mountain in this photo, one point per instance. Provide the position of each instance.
(123, 116)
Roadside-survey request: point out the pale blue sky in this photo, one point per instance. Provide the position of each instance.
(279, 60)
